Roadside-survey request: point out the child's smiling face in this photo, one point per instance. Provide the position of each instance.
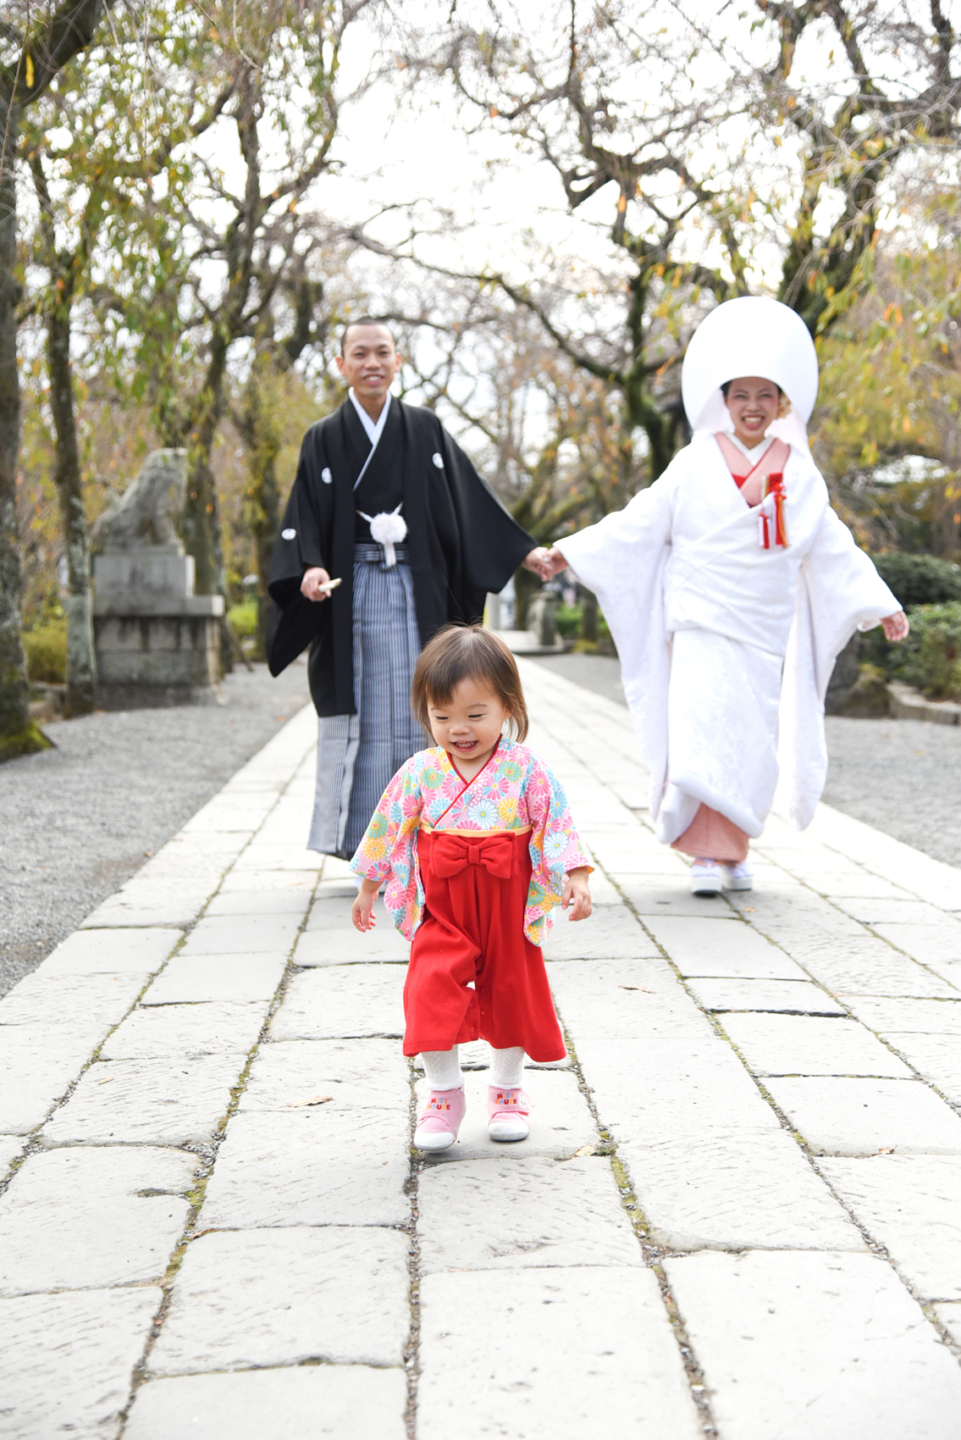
(470, 725)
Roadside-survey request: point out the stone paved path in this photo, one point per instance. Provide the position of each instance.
(737, 1214)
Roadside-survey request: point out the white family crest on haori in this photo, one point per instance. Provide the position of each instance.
(326, 476)
(726, 647)
(388, 528)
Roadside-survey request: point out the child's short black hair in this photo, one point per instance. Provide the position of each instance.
(467, 652)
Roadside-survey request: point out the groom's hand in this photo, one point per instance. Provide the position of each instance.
(536, 562)
(313, 579)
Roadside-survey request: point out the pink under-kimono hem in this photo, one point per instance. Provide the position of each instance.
(712, 836)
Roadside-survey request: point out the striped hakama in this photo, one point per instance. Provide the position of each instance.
(357, 755)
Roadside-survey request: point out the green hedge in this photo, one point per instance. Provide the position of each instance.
(931, 655)
(46, 651)
(243, 618)
(919, 579)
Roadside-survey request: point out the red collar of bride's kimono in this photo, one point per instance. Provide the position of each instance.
(750, 479)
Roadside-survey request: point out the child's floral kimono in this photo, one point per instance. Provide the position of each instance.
(474, 869)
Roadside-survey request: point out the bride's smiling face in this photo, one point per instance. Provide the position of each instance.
(752, 404)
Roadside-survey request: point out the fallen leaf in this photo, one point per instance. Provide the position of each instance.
(647, 990)
(585, 1150)
(885, 1150)
(109, 1080)
(750, 909)
(317, 1100)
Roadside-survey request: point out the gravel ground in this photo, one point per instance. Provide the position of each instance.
(902, 776)
(79, 820)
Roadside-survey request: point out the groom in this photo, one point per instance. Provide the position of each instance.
(386, 504)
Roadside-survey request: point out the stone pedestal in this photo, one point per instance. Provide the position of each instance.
(157, 642)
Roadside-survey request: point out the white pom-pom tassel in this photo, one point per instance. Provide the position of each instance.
(388, 529)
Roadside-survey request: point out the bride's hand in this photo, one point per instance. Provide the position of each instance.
(896, 626)
(554, 562)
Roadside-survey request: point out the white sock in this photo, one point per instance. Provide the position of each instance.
(507, 1067)
(442, 1068)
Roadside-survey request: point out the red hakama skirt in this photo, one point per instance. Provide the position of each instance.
(473, 973)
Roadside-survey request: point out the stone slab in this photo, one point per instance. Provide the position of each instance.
(719, 948)
(936, 1058)
(310, 1402)
(810, 1045)
(855, 885)
(510, 1214)
(177, 1031)
(912, 1205)
(888, 910)
(789, 997)
(860, 1117)
(71, 1369)
(11, 1146)
(278, 857)
(929, 944)
(950, 1317)
(650, 898)
(348, 947)
(624, 998)
(864, 967)
(315, 1165)
(36, 1070)
(263, 882)
(151, 906)
(241, 934)
(735, 1189)
(99, 952)
(287, 901)
(147, 1102)
(272, 1297)
(925, 1017)
(332, 912)
(81, 1006)
(611, 932)
(188, 979)
(660, 1089)
(804, 1345)
(598, 1357)
(560, 1120)
(116, 1213)
(365, 1074)
(342, 1000)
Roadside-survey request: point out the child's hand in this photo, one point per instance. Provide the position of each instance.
(361, 912)
(578, 890)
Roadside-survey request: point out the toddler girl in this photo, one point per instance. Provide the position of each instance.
(479, 846)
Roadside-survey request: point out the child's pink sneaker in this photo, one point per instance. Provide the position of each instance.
(509, 1114)
(440, 1120)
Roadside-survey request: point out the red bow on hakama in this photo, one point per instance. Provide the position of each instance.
(453, 853)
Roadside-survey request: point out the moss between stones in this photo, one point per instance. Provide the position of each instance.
(24, 742)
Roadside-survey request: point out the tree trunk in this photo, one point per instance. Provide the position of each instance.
(203, 537)
(261, 497)
(526, 586)
(81, 662)
(588, 616)
(18, 736)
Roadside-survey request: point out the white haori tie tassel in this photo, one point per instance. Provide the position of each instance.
(389, 528)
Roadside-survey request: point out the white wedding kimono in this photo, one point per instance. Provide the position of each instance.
(727, 648)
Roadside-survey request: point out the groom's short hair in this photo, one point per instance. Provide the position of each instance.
(365, 320)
